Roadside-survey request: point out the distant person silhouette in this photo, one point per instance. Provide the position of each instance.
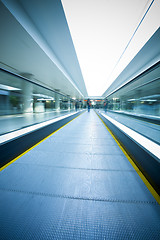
(105, 105)
(88, 104)
(76, 105)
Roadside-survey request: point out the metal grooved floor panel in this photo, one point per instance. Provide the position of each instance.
(77, 184)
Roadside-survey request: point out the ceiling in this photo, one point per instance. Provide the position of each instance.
(35, 40)
(107, 35)
(147, 57)
(77, 45)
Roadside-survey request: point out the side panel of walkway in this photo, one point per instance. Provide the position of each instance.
(77, 184)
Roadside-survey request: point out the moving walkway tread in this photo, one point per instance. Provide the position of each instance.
(77, 184)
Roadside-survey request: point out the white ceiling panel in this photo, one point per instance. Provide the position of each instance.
(36, 40)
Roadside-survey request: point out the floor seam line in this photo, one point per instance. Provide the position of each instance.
(81, 198)
(74, 168)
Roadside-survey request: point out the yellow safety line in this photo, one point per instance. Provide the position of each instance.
(15, 159)
(146, 182)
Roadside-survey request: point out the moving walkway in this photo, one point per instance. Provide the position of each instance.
(78, 183)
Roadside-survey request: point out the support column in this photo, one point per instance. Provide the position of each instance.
(69, 103)
(57, 101)
(138, 105)
(27, 97)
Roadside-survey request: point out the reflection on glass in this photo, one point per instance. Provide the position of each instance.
(18, 95)
(23, 103)
(140, 97)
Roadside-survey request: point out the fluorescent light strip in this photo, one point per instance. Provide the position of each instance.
(141, 140)
(9, 88)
